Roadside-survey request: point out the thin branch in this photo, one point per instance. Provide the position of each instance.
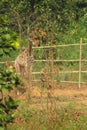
(19, 26)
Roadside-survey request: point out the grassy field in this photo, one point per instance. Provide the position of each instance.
(64, 109)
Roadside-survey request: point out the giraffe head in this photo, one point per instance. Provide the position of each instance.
(36, 36)
(34, 41)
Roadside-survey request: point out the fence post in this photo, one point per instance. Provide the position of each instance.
(29, 66)
(80, 64)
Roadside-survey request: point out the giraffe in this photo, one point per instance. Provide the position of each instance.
(23, 64)
(23, 59)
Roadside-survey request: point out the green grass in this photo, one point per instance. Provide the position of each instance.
(64, 118)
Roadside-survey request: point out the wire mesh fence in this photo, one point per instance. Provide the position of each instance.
(58, 64)
(64, 63)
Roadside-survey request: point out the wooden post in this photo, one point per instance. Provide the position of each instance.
(29, 45)
(80, 59)
(52, 71)
(51, 67)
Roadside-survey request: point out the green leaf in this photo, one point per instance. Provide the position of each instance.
(1, 52)
(10, 103)
(1, 128)
(6, 50)
(2, 106)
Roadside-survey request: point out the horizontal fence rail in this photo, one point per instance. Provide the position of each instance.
(75, 82)
(55, 46)
(84, 60)
(61, 72)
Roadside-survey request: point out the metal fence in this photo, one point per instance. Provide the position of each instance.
(56, 64)
(67, 63)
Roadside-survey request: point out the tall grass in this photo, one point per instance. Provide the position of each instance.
(67, 118)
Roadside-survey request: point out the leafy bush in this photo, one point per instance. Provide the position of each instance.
(8, 80)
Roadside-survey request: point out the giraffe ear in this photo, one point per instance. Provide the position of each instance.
(34, 41)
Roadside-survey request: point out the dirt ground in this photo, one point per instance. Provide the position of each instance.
(63, 96)
(68, 91)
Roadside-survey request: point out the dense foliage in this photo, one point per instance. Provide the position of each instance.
(64, 21)
(8, 80)
(56, 17)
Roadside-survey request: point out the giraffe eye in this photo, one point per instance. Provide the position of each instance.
(33, 43)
